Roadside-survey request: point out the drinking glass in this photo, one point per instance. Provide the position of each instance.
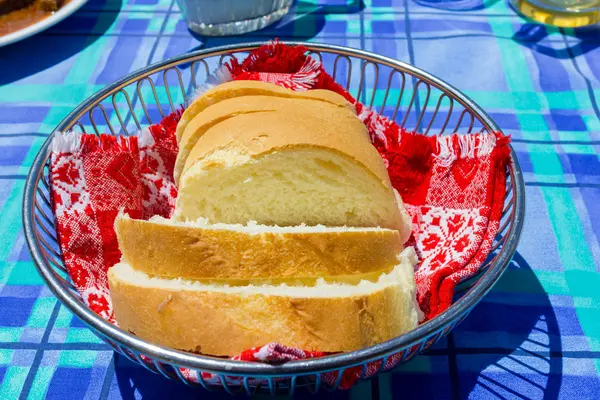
(231, 17)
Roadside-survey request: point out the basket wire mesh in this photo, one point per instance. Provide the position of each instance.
(413, 98)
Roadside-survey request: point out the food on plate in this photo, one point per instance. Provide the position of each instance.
(199, 250)
(224, 320)
(233, 89)
(7, 6)
(286, 229)
(18, 14)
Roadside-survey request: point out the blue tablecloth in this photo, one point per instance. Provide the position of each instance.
(536, 335)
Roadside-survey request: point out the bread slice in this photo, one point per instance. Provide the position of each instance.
(238, 253)
(240, 88)
(287, 169)
(229, 108)
(225, 320)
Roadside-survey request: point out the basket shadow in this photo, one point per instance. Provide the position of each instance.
(508, 346)
(304, 22)
(134, 382)
(58, 43)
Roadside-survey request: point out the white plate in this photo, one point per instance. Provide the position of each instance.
(62, 13)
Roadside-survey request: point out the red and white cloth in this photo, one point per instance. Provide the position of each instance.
(453, 188)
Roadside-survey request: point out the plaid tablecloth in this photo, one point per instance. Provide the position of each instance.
(536, 335)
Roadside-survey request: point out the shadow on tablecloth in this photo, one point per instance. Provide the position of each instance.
(508, 347)
(577, 41)
(135, 382)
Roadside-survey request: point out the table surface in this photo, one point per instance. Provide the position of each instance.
(536, 335)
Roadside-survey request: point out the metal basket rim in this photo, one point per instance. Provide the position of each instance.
(309, 366)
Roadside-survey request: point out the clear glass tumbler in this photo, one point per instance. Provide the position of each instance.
(231, 17)
(563, 13)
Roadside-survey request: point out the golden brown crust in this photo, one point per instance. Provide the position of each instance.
(258, 134)
(225, 324)
(188, 252)
(232, 107)
(249, 88)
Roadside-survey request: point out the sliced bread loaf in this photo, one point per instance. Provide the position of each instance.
(229, 108)
(287, 169)
(241, 88)
(238, 253)
(225, 320)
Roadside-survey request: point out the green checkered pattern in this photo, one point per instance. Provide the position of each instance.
(536, 335)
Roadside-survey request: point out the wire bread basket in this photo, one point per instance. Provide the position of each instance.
(413, 98)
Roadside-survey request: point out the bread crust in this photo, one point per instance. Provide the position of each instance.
(249, 137)
(189, 252)
(225, 324)
(257, 134)
(229, 108)
(240, 88)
